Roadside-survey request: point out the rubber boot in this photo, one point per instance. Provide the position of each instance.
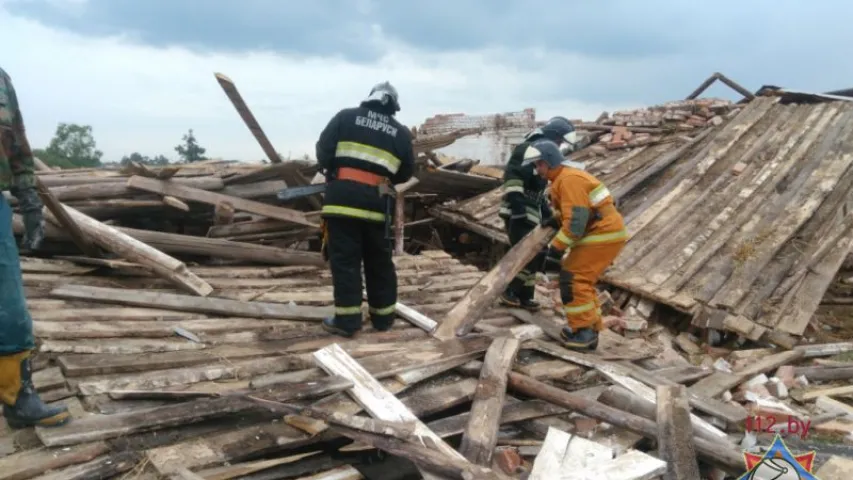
(332, 325)
(22, 406)
(512, 300)
(582, 339)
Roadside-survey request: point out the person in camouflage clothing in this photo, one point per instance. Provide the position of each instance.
(22, 406)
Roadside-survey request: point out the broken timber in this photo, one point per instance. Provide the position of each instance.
(675, 433)
(461, 318)
(481, 435)
(378, 401)
(135, 251)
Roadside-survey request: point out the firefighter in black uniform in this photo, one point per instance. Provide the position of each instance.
(361, 150)
(525, 205)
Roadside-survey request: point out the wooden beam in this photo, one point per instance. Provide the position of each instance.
(715, 451)
(719, 382)
(675, 433)
(102, 427)
(165, 187)
(562, 454)
(133, 250)
(481, 434)
(461, 318)
(251, 122)
(64, 220)
(376, 400)
(186, 303)
(400, 215)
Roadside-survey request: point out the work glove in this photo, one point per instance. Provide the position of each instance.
(30, 206)
(551, 221)
(553, 257)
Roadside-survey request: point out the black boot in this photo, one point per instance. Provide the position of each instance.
(583, 339)
(333, 326)
(27, 410)
(511, 299)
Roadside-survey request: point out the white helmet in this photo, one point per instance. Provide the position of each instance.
(386, 94)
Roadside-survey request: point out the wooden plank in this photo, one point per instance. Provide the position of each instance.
(212, 198)
(101, 427)
(209, 305)
(715, 451)
(251, 442)
(675, 433)
(481, 434)
(133, 250)
(375, 399)
(63, 219)
(105, 466)
(462, 317)
(562, 454)
(344, 472)
(719, 382)
(229, 472)
(634, 465)
(647, 394)
(31, 463)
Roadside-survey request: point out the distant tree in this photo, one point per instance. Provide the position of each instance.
(72, 146)
(144, 160)
(190, 151)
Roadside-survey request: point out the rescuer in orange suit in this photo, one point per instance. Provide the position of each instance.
(590, 228)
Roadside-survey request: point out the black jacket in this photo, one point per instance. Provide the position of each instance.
(523, 198)
(366, 138)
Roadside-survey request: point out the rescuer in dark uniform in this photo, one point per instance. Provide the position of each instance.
(524, 205)
(361, 150)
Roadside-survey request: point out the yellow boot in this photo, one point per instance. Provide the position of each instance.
(22, 406)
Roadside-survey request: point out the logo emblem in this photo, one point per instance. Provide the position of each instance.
(778, 463)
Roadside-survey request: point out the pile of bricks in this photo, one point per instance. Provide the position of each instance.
(636, 128)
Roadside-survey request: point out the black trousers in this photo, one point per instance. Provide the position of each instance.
(524, 284)
(350, 242)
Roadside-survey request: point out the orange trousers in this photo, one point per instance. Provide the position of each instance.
(580, 272)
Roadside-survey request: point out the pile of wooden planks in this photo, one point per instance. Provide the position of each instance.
(244, 384)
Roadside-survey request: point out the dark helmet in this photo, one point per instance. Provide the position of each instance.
(386, 94)
(544, 150)
(559, 130)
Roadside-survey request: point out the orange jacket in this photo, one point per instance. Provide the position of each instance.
(585, 208)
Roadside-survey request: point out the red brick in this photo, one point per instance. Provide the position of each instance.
(738, 168)
(508, 460)
(585, 426)
(786, 374)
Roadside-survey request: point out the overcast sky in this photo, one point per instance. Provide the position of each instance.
(141, 71)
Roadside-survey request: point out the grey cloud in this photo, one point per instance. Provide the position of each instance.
(614, 51)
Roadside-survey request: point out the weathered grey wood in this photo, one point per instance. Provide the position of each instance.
(675, 433)
(31, 463)
(212, 198)
(716, 452)
(481, 434)
(133, 250)
(462, 317)
(375, 399)
(563, 454)
(428, 458)
(719, 382)
(210, 305)
(634, 465)
(101, 427)
(105, 466)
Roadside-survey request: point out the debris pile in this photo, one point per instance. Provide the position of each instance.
(177, 313)
(647, 126)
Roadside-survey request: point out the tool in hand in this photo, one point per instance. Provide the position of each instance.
(387, 191)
